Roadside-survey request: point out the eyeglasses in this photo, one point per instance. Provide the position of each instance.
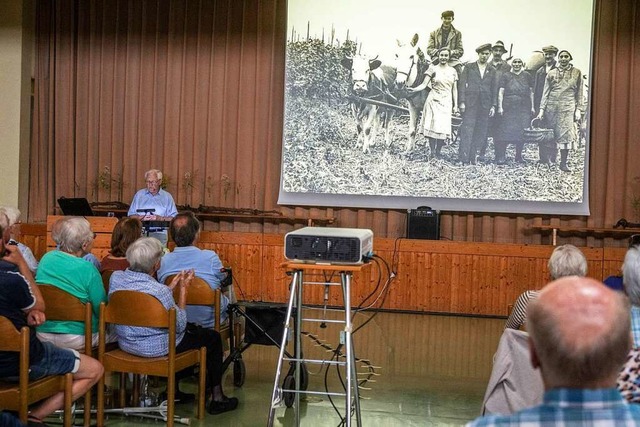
(634, 240)
(157, 181)
(95, 235)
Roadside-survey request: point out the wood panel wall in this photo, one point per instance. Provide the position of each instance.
(431, 276)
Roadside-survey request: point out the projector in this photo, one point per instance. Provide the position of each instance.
(329, 245)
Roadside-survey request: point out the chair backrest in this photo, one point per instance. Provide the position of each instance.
(106, 277)
(11, 337)
(200, 293)
(61, 305)
(135, 308)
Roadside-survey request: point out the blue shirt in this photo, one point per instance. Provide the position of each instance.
(572, 407)
(162, 202)
(207, 266)
(635, 325)
(142, 341)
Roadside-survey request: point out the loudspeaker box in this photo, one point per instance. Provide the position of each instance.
(423, 223)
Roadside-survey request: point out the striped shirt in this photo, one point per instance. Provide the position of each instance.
(635, 325)
(572, 407)
(141, 341)
(518, 316)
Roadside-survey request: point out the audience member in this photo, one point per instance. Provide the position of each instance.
(22, 303)
(579, 339)
(55, 236)
(4, 223)
(566, 260)
(616, 281)
(185, 230)
(66, 270)
(144, 259)
(126, 231)
(13, 216)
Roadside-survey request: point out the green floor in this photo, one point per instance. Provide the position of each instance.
(431, 370)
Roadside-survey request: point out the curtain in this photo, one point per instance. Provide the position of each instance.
(195, 88)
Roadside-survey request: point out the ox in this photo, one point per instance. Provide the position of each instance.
(411, 65)
(371, 80)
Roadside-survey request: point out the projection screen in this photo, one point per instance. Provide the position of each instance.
(390, 105)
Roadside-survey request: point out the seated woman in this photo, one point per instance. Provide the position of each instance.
(125, 232)
(566, 260)
(144, 259)
(66, 270)
(13, 217)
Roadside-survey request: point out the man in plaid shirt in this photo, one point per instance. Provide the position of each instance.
(579, 339)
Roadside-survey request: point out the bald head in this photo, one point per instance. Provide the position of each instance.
(580, 333)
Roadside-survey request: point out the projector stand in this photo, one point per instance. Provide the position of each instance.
(351, 395)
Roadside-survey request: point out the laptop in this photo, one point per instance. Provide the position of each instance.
(75, 206)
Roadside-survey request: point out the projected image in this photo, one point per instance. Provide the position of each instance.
(460, 105)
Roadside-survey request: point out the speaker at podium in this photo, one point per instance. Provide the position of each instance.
(423, 223)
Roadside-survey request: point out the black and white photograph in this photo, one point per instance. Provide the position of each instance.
(459, 105)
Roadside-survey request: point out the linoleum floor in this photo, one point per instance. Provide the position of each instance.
(430, 370)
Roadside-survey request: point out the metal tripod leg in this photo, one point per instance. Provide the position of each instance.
(352, 400)
(275, 396)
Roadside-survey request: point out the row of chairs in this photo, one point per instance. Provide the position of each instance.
(126, 308)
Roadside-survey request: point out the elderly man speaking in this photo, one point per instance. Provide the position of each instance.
(153, 204)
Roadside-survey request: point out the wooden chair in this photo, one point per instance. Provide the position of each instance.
(139, 309)
(200, 293)
(17, 397)
(61, 305)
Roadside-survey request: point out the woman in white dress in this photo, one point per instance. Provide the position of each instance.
(441, 102)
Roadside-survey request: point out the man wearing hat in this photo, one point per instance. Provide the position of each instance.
(446, 36)
(549, 152)
(477, 97)
(501, 66)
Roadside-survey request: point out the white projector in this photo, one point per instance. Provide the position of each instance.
(329, 245)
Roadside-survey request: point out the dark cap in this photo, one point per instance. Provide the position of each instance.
(500, 45)
(486, 46)
(550, 48)
(447, 13)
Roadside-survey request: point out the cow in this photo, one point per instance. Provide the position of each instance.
(371, 80)
(411, 65)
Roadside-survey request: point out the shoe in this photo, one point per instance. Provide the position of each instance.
(180, 397)
(226, 405)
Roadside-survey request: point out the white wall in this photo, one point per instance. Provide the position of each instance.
(16, 50)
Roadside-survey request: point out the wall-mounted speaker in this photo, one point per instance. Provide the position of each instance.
(423, 223)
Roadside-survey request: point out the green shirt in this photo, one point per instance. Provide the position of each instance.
(79, 278)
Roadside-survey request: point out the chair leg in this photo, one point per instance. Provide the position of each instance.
(123, 389)
(68, 380)
(171, 395)
(202, 385)
(100, 399)
(87, 409)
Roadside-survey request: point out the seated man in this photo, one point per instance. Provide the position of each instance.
(185, 229)
(144, 260)
(579, 339)
(22, 303)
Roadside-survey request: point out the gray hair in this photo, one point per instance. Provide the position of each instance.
(156, 172)
(73, 233)
(144, 253)
(631, 275)
(4, 219)
(567, 260)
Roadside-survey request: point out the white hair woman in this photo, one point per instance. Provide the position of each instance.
(67, 270)
(11, 230)
(565, 261)
(144, 260)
